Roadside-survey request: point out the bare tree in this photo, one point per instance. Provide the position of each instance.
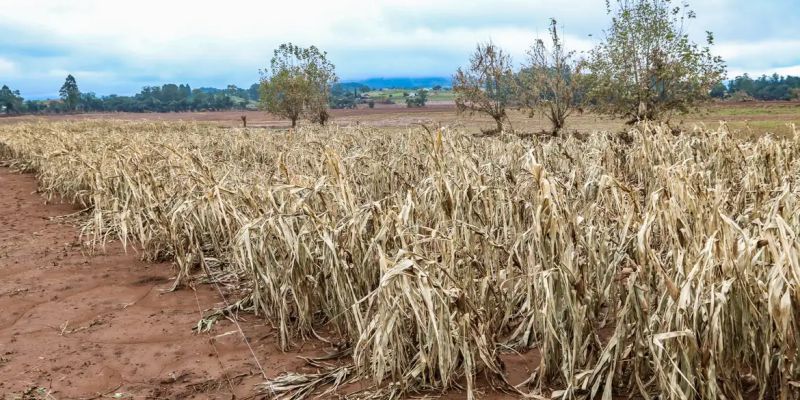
(550, 81)
(488, 86)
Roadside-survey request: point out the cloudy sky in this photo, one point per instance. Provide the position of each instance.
(114, 46)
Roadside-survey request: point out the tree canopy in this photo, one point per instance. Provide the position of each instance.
(773, 87)
(10, 101)
(488, 85)
(418, 99)
(346, 95)
(298, 83)
(70, 93)
(647, 68)
(165, 98)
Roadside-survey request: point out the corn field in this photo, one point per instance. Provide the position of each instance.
(639, 264)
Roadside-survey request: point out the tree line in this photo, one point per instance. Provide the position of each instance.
(767, 88)
(165, 98)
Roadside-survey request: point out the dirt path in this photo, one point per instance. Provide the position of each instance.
(74, 326)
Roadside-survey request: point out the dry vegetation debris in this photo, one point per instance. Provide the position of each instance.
(644, 264)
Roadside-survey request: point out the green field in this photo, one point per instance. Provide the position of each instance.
(398, 95)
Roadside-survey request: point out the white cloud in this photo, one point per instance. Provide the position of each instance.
(7, 67)
(173, 39)
(176, 29)
(112, 44)
(793, 70)
(760, 53)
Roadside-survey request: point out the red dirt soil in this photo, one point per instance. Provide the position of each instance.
(75, 326)
(78, 326)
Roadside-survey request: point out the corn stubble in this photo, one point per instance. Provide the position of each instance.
(646, 264)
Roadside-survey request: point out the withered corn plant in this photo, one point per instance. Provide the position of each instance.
(641, 264)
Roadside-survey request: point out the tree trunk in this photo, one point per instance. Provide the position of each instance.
(558, 125)
(499, 121)
(294, 122)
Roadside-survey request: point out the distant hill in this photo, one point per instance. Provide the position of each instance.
(350, 86)
(211, 90)
(404, 82)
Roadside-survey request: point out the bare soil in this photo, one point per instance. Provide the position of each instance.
(77, 326)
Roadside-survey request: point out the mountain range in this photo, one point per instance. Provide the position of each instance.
(404, 82)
